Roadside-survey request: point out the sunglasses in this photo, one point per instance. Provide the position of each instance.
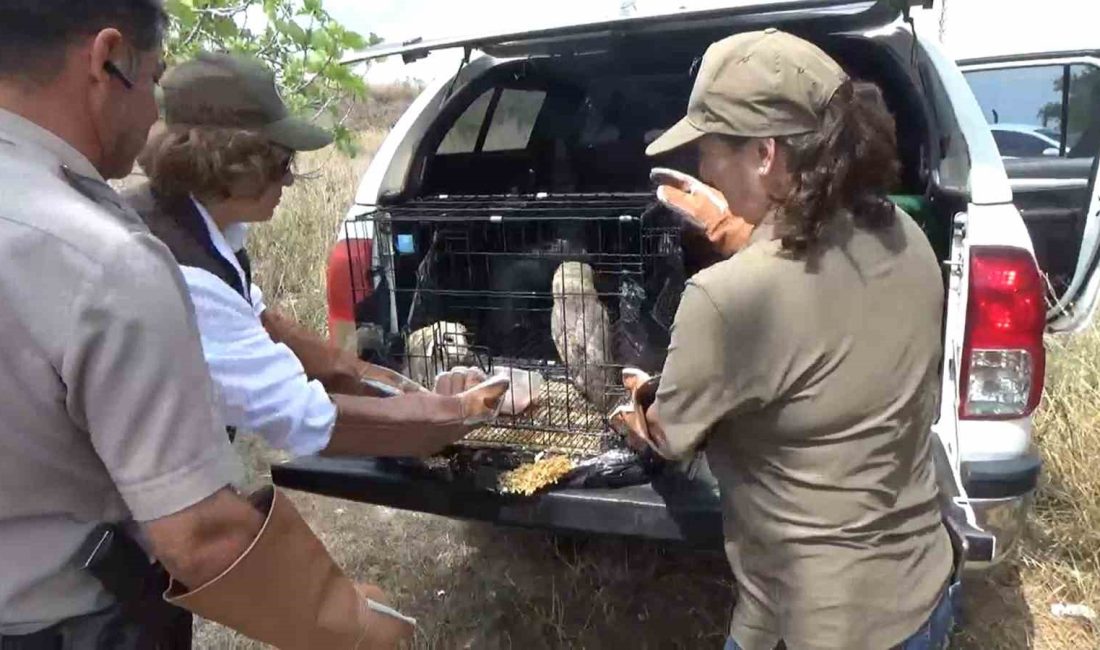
(285, 167)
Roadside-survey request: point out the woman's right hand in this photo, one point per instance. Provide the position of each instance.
(416, 425)
(386, 382)
(481, 397)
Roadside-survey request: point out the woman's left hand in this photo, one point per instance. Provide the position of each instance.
(637, 420)
(704, 210)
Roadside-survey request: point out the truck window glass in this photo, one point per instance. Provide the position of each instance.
(462, 138)
(514, 120)
(1034, 113)
(1084, 112)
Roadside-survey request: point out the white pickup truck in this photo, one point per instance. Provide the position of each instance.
(548, 127)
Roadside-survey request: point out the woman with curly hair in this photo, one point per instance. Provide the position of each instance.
(808, 361)
(220, 162)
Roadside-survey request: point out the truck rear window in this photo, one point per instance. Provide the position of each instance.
(511, 114)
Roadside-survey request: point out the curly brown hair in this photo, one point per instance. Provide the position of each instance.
(850, 163)
(212, 162)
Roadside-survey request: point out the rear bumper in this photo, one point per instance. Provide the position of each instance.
(1005, 520)
(671, 509)
(1001, 493)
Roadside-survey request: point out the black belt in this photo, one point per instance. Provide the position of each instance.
(112, 629)
(50, 638)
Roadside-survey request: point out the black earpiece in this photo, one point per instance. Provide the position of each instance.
(114, 71)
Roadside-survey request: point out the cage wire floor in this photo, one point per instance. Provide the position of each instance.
(559, 420)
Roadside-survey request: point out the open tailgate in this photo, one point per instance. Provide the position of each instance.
(671, 509)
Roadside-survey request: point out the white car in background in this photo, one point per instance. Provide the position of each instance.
(554, 121)
(1025, 141)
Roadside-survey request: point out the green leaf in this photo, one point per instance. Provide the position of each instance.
(295, 32)
(321, 40)
(226, 28)
(353, 41)
(182, 12)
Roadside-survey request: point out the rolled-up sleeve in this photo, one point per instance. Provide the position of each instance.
(137, 382)
(262, 385)
(710, 373)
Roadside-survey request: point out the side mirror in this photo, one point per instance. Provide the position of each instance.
(1051, 151)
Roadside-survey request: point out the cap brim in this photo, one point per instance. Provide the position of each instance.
(298, 135)
(682, 133)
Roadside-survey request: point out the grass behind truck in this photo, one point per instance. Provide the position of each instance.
(476, 586)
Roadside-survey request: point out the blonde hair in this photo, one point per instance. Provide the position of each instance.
(211, 162)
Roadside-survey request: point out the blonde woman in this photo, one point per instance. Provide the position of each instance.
(219, 162)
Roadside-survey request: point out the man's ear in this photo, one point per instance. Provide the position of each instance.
(106, 46)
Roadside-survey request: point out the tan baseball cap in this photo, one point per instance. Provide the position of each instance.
(756, 85)
(227, 90)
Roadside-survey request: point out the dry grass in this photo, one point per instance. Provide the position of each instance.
(383, 106)
(1060, 561)
(476, 586)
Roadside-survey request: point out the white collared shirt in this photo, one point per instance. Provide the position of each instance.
(261, 384)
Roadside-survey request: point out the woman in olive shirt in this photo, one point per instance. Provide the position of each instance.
(808, 361)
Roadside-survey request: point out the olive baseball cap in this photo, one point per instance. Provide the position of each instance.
(226, 90)
(759, 84)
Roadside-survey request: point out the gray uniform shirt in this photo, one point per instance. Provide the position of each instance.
(814, 384)
(106, 405)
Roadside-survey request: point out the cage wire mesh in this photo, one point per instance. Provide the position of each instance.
(559, 292)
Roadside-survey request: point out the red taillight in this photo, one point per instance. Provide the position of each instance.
(1003, 355)
(349, 280)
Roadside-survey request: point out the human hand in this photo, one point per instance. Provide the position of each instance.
(703, 209)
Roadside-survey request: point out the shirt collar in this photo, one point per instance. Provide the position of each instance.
(236, 235)
(764, 231)
(227, 243)
(24, 132)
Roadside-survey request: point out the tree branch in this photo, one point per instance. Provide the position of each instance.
(309, 82)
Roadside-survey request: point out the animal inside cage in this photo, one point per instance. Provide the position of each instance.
(559, 292)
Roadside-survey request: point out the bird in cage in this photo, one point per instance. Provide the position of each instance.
(435, 348)
(581, 331)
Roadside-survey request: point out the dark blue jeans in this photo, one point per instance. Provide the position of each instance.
(933, 635)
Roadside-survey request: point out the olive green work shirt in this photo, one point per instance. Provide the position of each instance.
(813, 385)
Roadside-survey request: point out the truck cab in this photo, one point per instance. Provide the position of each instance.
(545, 129)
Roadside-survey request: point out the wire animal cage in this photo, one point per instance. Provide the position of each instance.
(561, 292)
